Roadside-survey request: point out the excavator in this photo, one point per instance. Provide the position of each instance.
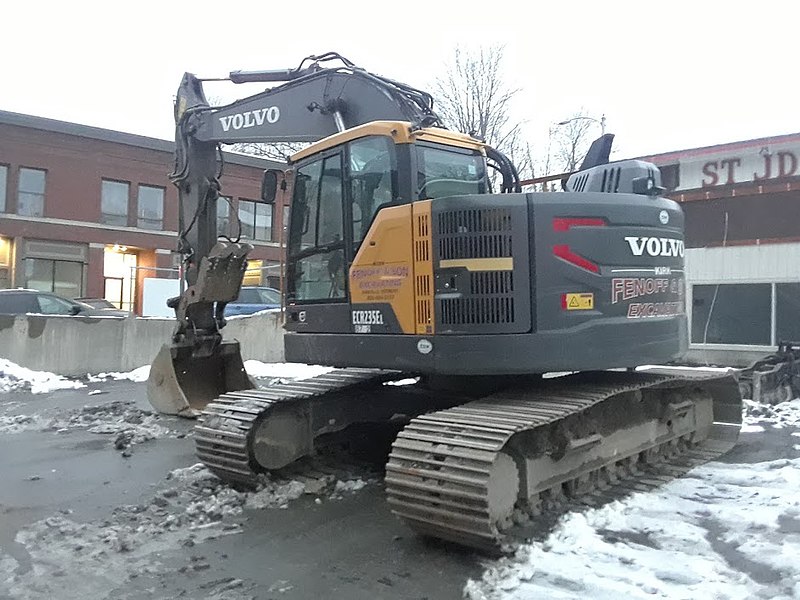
(413, 252)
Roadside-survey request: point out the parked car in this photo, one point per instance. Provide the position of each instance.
(20, 302)
(100, 303)
(253, 299)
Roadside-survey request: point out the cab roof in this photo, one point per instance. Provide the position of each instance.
(401, 132)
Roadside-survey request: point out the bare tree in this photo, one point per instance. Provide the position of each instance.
(280, 151)
(474, 97)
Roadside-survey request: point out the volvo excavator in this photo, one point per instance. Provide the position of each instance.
(412, 251)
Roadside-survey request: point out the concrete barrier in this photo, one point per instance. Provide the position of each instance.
(79, 345)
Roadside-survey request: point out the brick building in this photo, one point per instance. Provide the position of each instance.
(742, 207)
(89, 212)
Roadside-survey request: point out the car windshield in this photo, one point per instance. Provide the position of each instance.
(259, 296)
(269, 296)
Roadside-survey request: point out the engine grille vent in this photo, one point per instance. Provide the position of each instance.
(580, 183)
(485, 283)
(423, 269)
(611, 180)
(477, 311)
(475, 233)
(482, 278)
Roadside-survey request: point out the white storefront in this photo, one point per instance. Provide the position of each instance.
(742, 207)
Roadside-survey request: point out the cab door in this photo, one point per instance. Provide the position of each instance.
(317, 248)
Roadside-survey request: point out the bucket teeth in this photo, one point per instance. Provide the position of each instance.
(182, 383)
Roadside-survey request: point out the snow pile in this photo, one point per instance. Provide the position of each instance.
(785, 414)
(271, 491)
(294, 371)
(137, 375)
(276, 495)
(13, 377)
(724, 531)
(19, 423)
(129, 425)
(349, 486)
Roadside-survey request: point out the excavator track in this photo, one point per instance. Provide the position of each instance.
(469, 473)
(225, 435)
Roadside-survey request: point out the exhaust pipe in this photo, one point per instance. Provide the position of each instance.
(181, 383)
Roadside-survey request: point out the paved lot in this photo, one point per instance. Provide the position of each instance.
(58, 478)
(100, 499)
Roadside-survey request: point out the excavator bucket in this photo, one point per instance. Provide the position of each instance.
(181, 383)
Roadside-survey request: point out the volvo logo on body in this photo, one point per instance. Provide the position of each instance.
(250, 118)
(655, 246)
(663, 217)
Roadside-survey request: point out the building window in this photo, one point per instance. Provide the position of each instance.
(223, 215)
(30, 192)
(3, 183)
(787, 309)
(150, 204)
(114, 203)
(256, 219)
(732, 314)
(61, 277)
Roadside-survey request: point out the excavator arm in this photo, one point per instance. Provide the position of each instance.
(324, 95)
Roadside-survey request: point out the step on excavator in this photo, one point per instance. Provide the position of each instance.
(412, 251)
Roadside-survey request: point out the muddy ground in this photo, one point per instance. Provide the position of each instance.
(100, 499)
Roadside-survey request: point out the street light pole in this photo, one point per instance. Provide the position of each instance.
(601, 122)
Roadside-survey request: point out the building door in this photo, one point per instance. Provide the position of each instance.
(5, 261)
(119, 277)
(113, 290)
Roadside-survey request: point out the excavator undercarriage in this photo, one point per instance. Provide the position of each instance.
(470, 470)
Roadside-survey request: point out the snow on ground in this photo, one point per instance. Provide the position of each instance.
(295, 371)
(687, 369)
(137, 375)
(722, 531)
(13, 377)
(190, 506)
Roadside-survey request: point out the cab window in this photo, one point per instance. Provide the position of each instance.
(373, 181)
(316, 232)
(448, 171)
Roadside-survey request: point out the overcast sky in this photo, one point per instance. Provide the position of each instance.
(667, 75)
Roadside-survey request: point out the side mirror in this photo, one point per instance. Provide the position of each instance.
(269, 185)
(74, 310)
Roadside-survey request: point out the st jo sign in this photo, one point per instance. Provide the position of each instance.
(752, 164)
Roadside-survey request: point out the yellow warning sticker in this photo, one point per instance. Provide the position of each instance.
(580, 301)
